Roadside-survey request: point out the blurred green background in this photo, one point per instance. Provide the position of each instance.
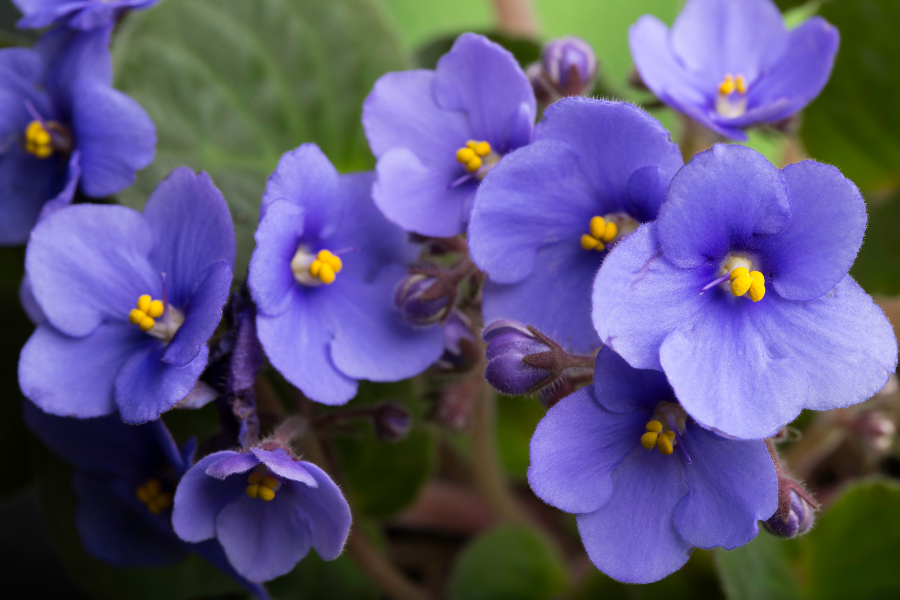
(231, 85)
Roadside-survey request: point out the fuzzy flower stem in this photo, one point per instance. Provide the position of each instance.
(516, 17)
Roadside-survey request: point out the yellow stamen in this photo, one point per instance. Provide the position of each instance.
(591, 243)
(472, 155)
(727, 86)
(744, 280)
(664, 441)
(262, 486)
(326, 266)
(740, 84)
(606, 230)
(143, 303)
(266, 493)
(37, 140)
(153, 497)
(146, 312)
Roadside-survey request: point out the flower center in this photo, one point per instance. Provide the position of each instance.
(42, 141)
(731, 101)
(262, 485)
(315, 269)
(477, 158)
(665, 428)
(153, 497)
(148, 311)
(735, 276)
(607, 229)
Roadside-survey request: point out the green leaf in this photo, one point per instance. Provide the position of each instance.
(852, 552)
(855, 124)
(761, 570)
(232, 85)
(517, 418)
(512, 561)
(877, 267)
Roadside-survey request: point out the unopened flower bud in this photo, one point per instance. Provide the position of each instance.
(409, 299)
(800, 519)
(392, 421)
(569, 63)
(508, 342)
(876, 430)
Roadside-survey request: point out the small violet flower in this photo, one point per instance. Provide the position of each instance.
(77, 14)
(545, 218)
(436, 134)
(732, 64)
(323, 277)
(265, 507)
(125, 478)
(63, 125)
(740, 293)
(130, 300)
(646, 482)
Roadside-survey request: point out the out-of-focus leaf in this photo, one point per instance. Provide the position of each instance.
(316, 579)
(852, 552)
(232, 85)
(512, 561)
(418, 22)
(854, 124)
(517, 418)
(877, 267)
(761, 570)
(384, 477)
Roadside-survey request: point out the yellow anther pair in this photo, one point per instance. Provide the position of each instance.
(733, 84)
(37, 140)
(743, 281)
(664, 441)
(147, 310)
(325, 266)
(602, 232)
(262, 486)
(152, 495)
(472, 154)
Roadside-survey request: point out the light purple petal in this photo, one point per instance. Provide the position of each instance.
(199, 498)
(718, 201)
(622, 389)
(306, 178)
(283, 465)
(88, 263)
(69, 376)
(72, 56)
(327, 512)
(234, 462)
(202, 314)
(575, 449)
(828, 219)
(633, 537)
(731, 486)
(271, 280)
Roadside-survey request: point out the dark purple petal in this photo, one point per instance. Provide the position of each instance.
(720, 200)
(201, 315)
(635, 281)
(731, 486)
(114, 134)
(76, 376)
(327, 512)
(575, 449)
(484, 81)
(212, 551)
(29, 302)
(199, 498)
(622, 389)
(235, 462)
(67, 193)
(306, 178)
(279, 462)
(632, 537)
(192, 229)
(27, 183)
(828, 219)
(263, 539)
(271, 280)
(534, 197)
(146, 386)
(72, 56)
(88, 263)
(372, 340)
(645, 192)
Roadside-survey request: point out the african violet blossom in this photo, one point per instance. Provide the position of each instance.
(732, 64)
(545, 217)
(740, 293)
(323, 277)
(437, 133)
(78, 14)
(125, 478)
(130, 300)
(62, 124)
(265, 507)
(647, 483)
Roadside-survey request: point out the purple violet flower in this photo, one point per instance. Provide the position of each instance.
(323, 277)
(545, 217)
(265, 507)
(732, 64)
(77, 14)
(62, 124)
(125, 477)
(437, 133)
(130, 300)
(646, 482)
(740, 293)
